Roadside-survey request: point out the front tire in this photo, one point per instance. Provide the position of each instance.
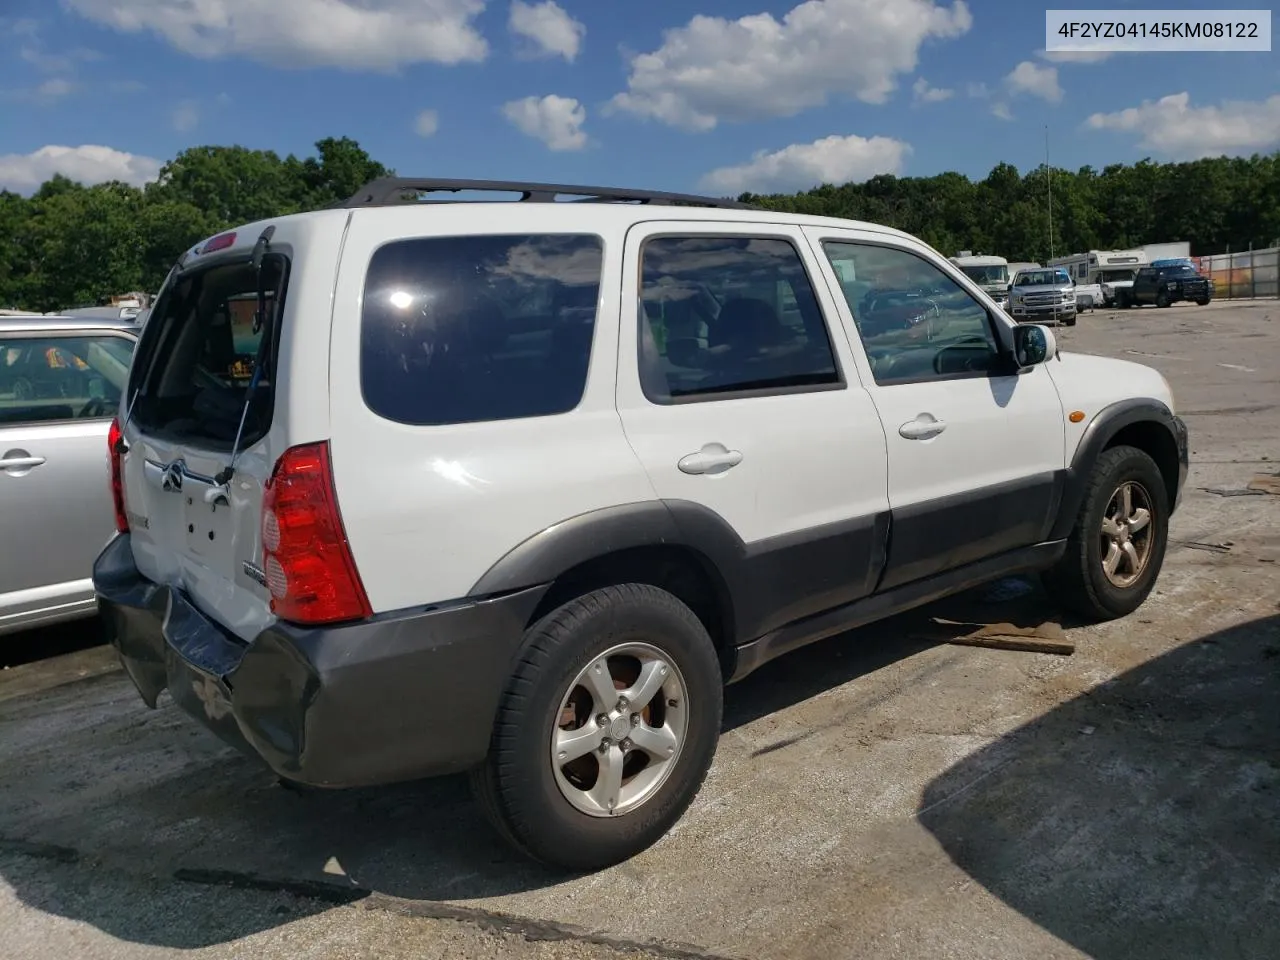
(1162, 299)
(1116, 549)
(1203, 302)
(606, 729)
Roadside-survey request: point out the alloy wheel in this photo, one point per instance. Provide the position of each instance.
(620, 730)
(1126, 534)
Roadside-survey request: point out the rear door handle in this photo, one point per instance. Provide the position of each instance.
(20, 463)
(922, 427)
(712, 459)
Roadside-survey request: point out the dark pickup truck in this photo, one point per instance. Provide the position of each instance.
(1165, 285)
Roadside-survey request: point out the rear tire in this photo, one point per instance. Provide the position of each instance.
(660, 748)
(1116, 549)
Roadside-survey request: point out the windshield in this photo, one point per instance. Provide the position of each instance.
(987, 275)
(1181, 270)
(1042, 278)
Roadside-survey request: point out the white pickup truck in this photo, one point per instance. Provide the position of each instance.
(1089, 296)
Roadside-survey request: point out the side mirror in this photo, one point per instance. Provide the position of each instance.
(1033, 344)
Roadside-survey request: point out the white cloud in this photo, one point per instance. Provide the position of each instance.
(1034, 80)
(714, 69)
(1173, 127)
(35, 55)
(977, 91)
(426, 123)
(55, 88)
(23, 27)
(45, 92)
(927, 94)
(86, 164)
(185, 116)
(1074, 56)
(556, 121)
(553, 32)
(800, 166)
(1001, 111)
(351, 34)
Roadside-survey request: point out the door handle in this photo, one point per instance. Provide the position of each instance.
(922, 427)
(712, 459)
(20, 463)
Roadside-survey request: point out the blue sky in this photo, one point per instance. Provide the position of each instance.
(704, 95)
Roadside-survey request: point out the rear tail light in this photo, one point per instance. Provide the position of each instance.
(115, 451)
(308, 564)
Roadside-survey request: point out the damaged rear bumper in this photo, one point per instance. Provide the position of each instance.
(395, 697)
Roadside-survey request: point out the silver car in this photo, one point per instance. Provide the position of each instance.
(60, 382)
(1047, 295)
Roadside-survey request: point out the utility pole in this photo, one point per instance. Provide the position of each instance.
(1048, 179)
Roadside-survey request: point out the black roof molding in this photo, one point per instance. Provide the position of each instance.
(393, 191)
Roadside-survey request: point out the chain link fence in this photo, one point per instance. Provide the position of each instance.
(1242, 276)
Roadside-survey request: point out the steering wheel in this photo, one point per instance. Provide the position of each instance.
(96, 407)
(23, 389)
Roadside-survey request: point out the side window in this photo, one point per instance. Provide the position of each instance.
(479, 328)
(45, 377)
(915, 322)
(724, 315)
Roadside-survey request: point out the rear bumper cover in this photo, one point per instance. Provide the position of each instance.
(396, 697)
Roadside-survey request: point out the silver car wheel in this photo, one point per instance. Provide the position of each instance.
(620, 730)
(1126, 534)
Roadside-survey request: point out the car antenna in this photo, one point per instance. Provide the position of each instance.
(223, 479)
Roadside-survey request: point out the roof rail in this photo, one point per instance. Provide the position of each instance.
(391, 191)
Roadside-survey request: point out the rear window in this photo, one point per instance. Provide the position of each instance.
(200, 349)
(478, 328)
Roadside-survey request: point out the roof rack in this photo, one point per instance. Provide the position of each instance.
(391, 191)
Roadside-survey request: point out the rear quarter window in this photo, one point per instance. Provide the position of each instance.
(479, 328)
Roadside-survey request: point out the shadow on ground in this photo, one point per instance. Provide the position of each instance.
(92, 778)
(1142, 819)
(29, 646)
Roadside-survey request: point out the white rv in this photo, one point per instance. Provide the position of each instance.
(1110, 269)
(990, 273)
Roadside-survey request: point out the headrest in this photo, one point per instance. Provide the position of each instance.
(747, 324)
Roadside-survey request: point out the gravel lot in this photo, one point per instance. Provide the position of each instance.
(881, 794)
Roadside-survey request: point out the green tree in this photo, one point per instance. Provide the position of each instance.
(69, 244)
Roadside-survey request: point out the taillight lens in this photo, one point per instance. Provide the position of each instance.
(308, 564)
(115, 451)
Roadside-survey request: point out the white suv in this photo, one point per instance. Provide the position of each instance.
(412, 487)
